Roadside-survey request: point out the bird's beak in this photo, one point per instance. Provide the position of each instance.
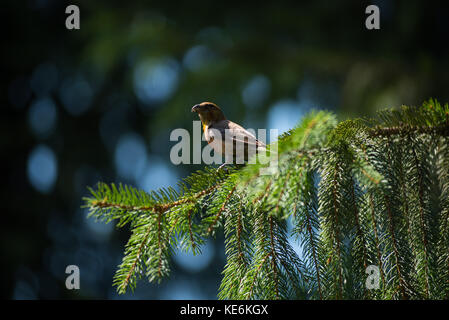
(195, 108)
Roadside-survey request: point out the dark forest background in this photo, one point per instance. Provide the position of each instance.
(99, 103)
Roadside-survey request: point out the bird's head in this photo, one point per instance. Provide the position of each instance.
(208, 112)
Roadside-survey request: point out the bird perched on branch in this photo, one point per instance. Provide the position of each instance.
(226, 137)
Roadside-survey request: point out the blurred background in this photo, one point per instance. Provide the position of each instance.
(99, 103)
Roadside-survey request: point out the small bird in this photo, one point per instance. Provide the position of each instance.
(226, 137)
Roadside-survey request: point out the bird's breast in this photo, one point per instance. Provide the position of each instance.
(209, 138)
(216, 144)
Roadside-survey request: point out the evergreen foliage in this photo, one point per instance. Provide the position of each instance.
(358, 193)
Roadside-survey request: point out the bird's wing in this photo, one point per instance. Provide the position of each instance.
(230, 130)
(236, 142)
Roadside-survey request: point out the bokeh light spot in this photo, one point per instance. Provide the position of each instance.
(42, 117)
(76, 95)
(198, 57)
(156, 80)
(283, 116)
(157, 174)
(183, 290)
(256, 91)
(130, 156)
(42, 168)
(193, 263)
(101, 229)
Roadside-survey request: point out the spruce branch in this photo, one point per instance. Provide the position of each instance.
(358, 192)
